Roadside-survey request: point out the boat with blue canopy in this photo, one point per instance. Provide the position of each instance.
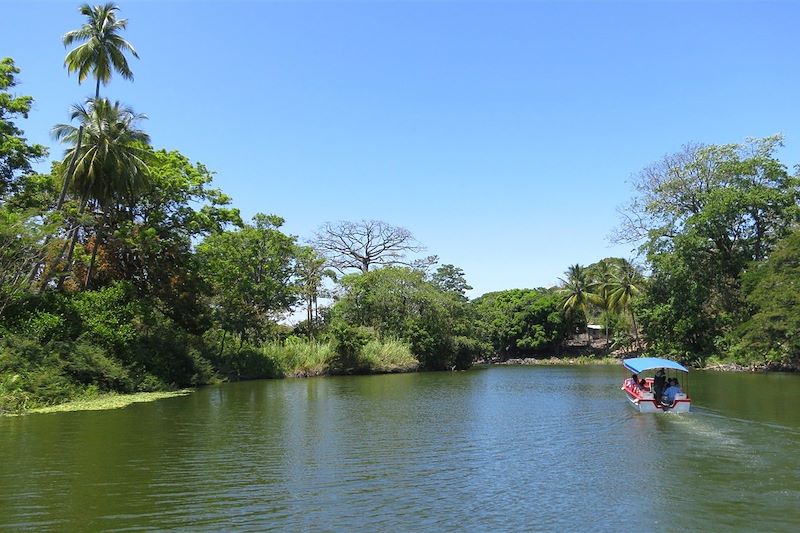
(660, 393)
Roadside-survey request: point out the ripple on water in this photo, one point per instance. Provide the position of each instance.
(501, 449)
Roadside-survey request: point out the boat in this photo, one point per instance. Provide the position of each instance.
(642, 394)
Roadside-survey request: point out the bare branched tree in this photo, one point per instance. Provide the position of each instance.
(357, 245)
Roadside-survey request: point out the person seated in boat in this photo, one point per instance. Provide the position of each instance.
(643, 384)
(658, 383)
(673, 389)
(633, 381)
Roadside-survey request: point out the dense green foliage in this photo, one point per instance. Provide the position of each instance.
(524, 321)
(711, 214)
(400, 302)
(772, 289)
(249, 272)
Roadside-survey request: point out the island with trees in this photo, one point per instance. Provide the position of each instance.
(123, 269)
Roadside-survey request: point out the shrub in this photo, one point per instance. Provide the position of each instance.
(108, 315)
(348, 341)
(90, 365)
(45, 326)
(466, 350)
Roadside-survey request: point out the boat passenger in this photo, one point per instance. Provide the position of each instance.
(673, 389)
(633, 381)
(643, 384)
(658, 382)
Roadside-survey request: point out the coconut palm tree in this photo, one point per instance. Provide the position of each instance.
(577, 292)
(600, 284)
(103, 49)
(102, 52)
(626, 284)
(110, 163)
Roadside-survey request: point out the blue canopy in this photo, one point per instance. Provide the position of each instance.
(640, 364)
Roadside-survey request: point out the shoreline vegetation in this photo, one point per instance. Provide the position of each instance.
(392, 357)
(119, 400)
(123, 270)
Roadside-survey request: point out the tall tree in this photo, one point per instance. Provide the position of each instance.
(625, 284)
(251, 274)
(109, 165)
(400, 302)
(601, 275)
(450, 278)
(705, 216)
(359, 245)
(772, 332)
(152, 242)
(102, 50)
(523, 321)
(577, 292)
(21, 229)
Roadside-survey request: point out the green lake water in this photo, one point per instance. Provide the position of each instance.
(499, 448)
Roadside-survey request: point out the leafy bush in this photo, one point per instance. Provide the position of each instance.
(88, 364)
(45, 326)
(467, 350)
(348, 341)
(108, 316)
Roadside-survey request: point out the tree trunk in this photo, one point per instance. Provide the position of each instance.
(222, 344)
(68, 262)
(72, 235)
(97, 238)
(74, 239)
(70, 170)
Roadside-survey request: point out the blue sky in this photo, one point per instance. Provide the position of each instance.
(503, 134)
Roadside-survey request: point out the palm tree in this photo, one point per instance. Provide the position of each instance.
(600, 284)
(110, 164)
(102, 52)
(577, 292)
(625, 285)
(110, 167)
